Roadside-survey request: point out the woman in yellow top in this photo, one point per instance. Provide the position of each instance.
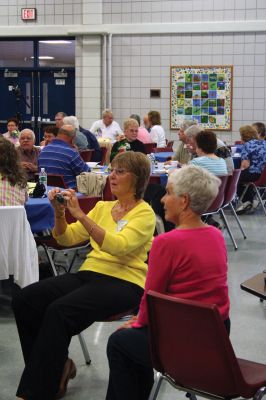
(109, 282)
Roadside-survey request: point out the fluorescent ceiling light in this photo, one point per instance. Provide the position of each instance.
(45, 58)
(55, 41)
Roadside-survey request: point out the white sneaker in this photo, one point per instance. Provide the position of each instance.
(247, 206)
(255, 204)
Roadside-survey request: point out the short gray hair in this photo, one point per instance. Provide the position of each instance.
(200, 185)
(71, 120)
(187, 123)
(26, 130)
(67, 130)
(192, 131)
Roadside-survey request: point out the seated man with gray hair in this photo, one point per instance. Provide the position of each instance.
(61, 158)
(28, 153)
(80, 140)
(182, 154)
(106, 127)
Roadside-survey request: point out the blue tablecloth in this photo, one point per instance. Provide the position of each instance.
(40, 214)
(162, 156)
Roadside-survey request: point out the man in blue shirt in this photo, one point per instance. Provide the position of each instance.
(60, 157)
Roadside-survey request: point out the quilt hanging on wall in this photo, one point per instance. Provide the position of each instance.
(202, 93)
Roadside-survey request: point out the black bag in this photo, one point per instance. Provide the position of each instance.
(39, 190)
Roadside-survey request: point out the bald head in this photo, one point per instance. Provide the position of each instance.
(67, 133)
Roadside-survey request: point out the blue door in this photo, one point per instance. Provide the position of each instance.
(34, 97)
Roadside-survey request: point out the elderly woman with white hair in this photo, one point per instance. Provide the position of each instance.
(80, 141)
(182, 154)
(179, 267)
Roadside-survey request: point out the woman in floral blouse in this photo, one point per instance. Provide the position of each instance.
(13, 182)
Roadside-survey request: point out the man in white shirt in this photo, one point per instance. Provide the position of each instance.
(106, 127)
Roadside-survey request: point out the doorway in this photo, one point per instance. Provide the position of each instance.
(36, 92)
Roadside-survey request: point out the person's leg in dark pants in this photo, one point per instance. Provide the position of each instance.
(131, 372)
(245, 177)
(73, 302)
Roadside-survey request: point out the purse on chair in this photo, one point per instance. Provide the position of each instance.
(39, 190)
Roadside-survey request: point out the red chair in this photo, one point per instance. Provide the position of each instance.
(191, 350)
(86, 155)
(169, 143)
(50, 245)
(107, 194)
(155, 179)
(260, 188)
(218, 201)
(56, 180)
(163, 149)
(229, 195)
(149, 147)
(103, 152)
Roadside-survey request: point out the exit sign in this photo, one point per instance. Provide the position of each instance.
(28, 14)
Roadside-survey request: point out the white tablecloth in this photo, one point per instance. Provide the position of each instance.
(18, 252)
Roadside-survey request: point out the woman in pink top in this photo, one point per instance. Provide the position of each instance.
(143, 134)
(188, 262)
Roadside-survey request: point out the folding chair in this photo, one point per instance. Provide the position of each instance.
(229, 195)
(163, 149)
(149, 147)
(191, 350)
(260, 188)
(56, 180)
(50, 245)
(86, 155)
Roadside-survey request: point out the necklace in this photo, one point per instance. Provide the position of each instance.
(128, 207)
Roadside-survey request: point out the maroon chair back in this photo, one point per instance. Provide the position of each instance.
(149, 147)
(218, 202)
(169, 143)
(86, 155)
(190, 344)
(103, 152)
(86, 204)
(107, 194)
(231, 187)
(163, 149)
(155, 179)
(56, 180)
(262, 179)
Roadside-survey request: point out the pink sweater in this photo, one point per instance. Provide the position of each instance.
(190, 264)
(143, 135)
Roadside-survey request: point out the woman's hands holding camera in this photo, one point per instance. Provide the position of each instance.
(65, 199)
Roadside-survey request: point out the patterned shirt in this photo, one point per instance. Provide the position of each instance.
(31, 157)
(255, 152)
(216, 166)
(59, 157)
(11, 195)
(125, 145)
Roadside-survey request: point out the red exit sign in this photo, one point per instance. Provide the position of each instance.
(28, 14)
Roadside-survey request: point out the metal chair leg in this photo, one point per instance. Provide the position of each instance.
(228, 228)
(260, 199)
(237, 219)
(84, 348)
(50, 259)
(156, 386)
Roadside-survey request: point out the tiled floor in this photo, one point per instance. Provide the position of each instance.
(248, 317)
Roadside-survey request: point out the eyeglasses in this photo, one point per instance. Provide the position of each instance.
(118, 171)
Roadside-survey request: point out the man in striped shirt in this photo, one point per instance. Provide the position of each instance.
(60, 157)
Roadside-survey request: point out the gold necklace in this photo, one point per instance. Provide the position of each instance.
(127, 207)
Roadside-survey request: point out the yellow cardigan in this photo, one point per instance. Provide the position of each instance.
(126, 242)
